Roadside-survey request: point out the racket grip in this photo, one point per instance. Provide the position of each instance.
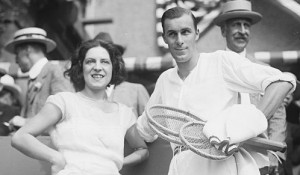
(266, 144)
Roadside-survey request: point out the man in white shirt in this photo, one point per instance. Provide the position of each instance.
(235, 23)
(31, 46)
(205, 84)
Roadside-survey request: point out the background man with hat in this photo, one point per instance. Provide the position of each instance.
(31, 46)
(235, 21)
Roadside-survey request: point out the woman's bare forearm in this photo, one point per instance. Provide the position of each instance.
(32, 147)
(138, 156)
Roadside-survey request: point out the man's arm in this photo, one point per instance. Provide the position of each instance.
(273, 97)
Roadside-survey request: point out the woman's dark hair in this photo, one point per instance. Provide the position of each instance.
(75, 72)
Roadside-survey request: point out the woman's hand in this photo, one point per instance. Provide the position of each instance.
(137, 143)
(58, 163)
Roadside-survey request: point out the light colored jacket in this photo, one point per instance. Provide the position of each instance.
(49, 81)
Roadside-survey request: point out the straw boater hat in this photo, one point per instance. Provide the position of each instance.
(30, 35)
(237, 9)
(8, 82)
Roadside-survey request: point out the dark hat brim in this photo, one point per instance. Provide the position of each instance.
(120, 48)
(253, 16)
(297, 91)
(16, 90)
(50, 44)
(2, 72)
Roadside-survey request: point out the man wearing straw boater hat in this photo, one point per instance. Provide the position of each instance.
(235, 22)
(31, 46)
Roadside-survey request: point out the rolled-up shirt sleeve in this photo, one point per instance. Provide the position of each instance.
(142, 123)
(243, 75)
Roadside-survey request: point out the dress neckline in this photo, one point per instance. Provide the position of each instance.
(98, 102)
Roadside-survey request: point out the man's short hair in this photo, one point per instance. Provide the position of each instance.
(177, 12)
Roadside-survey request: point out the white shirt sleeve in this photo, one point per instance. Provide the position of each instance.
(243, 75)
(142, 122)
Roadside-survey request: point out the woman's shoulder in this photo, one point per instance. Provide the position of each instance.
(63, 95)
(122, 107)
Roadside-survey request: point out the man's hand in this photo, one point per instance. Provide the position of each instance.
(273, 167)
(58, 164)
(17, 122)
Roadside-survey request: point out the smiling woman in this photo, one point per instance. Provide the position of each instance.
(97, 69)
(88, 50)
(87, 128)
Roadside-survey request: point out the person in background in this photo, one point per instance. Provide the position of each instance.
(205, 84)
(86, 127)
(235, 23)
(10, 105)
(292, 105)
(133, 95)
(31, 46)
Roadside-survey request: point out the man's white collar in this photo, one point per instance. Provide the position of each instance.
(37, 68)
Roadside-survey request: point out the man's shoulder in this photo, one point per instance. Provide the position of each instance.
(254, 60)
(219, 54)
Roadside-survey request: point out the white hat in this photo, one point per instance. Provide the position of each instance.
(237, 9)
(30, 34)
(8, 83)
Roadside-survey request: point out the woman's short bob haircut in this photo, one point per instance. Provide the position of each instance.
(75, 72)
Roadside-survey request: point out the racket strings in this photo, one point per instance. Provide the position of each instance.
(191, 134)
(166, 135)
(168, 124)
(194, 137)
(167, 120)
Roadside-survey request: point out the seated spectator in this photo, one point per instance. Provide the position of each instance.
(9, 103)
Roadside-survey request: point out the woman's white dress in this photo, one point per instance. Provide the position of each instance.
(91, 140)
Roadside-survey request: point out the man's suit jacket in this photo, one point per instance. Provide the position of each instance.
(132, 95)
(49, 82)
(277, 123)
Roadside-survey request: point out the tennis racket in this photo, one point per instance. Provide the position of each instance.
(192, 136)
(167, 122)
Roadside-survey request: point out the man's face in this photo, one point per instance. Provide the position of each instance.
(181, 36)
(23, 60)
(237, 34)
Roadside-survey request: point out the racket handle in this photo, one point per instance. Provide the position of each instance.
(266, 144)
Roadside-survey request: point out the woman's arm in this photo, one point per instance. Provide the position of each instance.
(137, 143)
(25, 139)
